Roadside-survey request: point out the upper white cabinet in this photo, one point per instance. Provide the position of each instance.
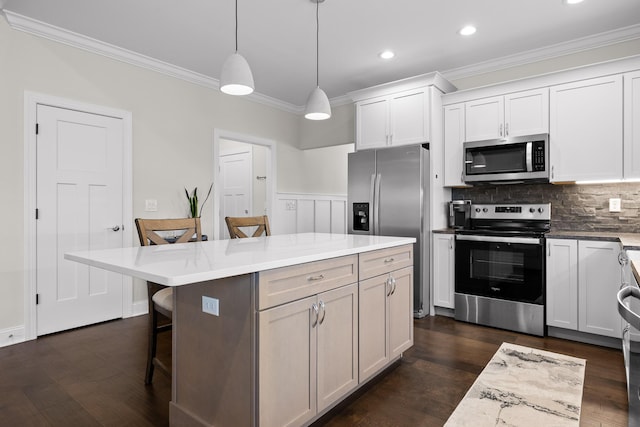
(453, 138)
(632, 125)
(586, 130)
(401, 112)
(397, 119)
(515, 114)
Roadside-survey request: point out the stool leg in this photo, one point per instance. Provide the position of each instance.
(153, 341)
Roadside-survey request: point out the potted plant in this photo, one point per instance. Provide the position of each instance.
(193, 201)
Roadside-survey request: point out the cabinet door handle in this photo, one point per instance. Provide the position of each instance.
(548, 249)
(389, 286)
(506, 129)
(324, 313)
(393, 282)
(314, 311)
(388, 260)
(552, 174)
(500, 129)
(314, 278)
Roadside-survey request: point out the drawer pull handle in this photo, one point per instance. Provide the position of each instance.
(388, 260)
(314, 278)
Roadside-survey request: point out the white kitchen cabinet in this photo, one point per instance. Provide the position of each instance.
(307, 356)
(583, 277)
(398, 119)
(453, 138)
(585, 137)
(386, 320)
(632, 125)
(514, 114)
(598, 283)
(562, 283)
(443, 270)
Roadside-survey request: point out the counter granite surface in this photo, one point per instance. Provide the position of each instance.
(630, 241)
(444, 231)
(181, 264)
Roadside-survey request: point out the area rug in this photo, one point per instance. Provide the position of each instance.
(523, 386)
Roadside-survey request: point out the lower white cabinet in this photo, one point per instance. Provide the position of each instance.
(386, 319)
(308, 355)
(583, 277)
(443, 270)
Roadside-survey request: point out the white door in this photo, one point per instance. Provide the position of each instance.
(79, 202)
(235, 176)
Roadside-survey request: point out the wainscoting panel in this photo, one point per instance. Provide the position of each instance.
(304, 213)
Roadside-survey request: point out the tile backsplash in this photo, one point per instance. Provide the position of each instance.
(573, 207)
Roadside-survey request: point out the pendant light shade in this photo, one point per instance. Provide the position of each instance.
(318, 107)
(236, 77)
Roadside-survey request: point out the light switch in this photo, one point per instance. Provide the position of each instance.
(615, 205)
(211, 305)
(150, 205)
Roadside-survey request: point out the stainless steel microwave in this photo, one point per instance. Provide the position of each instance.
(511, 160)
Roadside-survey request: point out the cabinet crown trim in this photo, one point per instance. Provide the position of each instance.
(424, 80)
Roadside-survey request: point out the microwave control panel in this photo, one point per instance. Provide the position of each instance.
(538, 155)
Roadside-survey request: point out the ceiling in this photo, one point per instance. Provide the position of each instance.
(277, 37)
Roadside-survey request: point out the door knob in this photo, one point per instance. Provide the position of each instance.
(116, 228)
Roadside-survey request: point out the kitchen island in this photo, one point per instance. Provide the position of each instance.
(276, 330)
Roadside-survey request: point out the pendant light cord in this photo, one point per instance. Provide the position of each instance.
(236, 26)
(317, 43)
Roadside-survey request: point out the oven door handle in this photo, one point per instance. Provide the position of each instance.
(500, 239)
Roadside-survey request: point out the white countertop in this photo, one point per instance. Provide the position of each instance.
(181, 264)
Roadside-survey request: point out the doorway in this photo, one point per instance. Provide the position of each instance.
(244, 178)
(78, 192)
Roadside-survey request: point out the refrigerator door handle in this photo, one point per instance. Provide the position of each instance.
(372, 200)
(376, 205)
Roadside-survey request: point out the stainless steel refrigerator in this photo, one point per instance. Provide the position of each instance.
(388, 195)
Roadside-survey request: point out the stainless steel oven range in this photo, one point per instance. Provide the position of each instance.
(500, 267)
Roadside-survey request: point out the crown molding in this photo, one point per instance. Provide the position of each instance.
(70, 38)
(620, 35)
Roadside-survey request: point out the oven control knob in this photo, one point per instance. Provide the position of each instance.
(477, 209)
(540, 210)
(532, 210)
(485, 210)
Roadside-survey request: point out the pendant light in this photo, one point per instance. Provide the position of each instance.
(318, 107)
(236, 77)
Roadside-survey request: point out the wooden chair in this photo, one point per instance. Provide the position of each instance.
(234, 224)
(161, 297)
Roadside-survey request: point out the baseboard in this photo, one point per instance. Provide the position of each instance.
(584, 337)
(139, 308)
(443, 311)
(11, 336)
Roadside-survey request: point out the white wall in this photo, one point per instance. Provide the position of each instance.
(173, 124)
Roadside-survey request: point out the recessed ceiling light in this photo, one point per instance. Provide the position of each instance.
(387, 54)
(573, 1)
(467, 31)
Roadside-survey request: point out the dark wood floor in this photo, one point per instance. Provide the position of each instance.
(94, 377)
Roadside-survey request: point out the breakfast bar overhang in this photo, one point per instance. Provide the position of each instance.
(275, 330)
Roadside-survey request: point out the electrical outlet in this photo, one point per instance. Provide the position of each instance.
(211, 305)
(291, 205)
(151, 205)
(615, 205)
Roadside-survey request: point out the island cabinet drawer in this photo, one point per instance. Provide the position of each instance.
(283, 285)
(383, 261)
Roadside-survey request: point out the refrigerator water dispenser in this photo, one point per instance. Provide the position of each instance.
(361, 216)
